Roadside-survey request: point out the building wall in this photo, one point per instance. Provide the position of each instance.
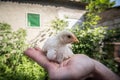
(111, 24)
(15, 14)
(111, 18)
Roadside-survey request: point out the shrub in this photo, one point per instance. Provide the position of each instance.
(58, 24)
(13, 64)
(89, 40)
(113, 35)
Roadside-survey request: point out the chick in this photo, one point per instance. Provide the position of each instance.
(57, 47)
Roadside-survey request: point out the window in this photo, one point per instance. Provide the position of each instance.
(33, 20)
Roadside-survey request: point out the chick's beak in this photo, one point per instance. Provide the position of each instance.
(75, 40)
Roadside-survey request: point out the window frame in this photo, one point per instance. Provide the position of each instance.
(28, 22)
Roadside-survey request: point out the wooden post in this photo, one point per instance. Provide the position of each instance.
(117, 52)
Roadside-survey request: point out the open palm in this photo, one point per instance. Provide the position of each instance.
(78, 67)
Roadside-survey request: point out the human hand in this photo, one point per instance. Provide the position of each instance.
(78, 67)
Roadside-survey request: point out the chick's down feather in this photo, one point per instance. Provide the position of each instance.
(57, 47)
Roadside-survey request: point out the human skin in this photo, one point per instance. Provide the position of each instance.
(78, 67)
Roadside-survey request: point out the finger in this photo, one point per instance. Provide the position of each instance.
(55, 64)
(28, 51)
(37, 48)
(36, 55)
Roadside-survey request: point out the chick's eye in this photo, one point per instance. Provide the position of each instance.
(69, 36)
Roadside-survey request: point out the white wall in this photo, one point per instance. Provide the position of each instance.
(14, 13)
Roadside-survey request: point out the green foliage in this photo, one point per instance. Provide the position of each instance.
(108, 59)
(88, 40)
(59, 24)
(97, 6)
(113, 35)
(13, 64)
(88, 34)
(91, 21)
(93, 9)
